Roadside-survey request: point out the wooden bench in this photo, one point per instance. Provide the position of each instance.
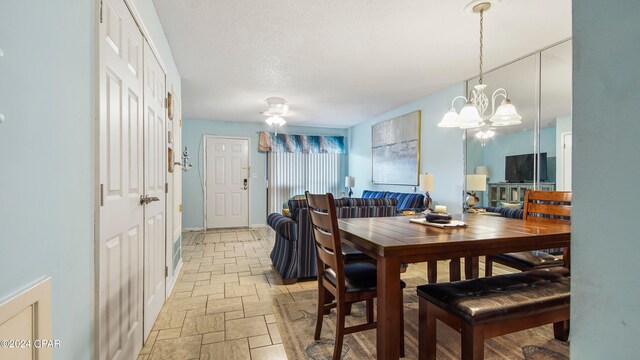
(483, 308)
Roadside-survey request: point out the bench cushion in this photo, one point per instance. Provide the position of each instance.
(501, 297)
(531, 259)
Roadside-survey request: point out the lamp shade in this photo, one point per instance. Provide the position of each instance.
(506, 114)
(349, 181)
(477, 182)
(450, 119)
(470, 117)
(427, 182)
(482, 170)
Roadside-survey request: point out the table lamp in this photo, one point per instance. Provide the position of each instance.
(475, 183)
(482, 170)
(350, 182)
(427, 184)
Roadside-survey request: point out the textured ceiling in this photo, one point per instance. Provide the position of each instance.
(340, 62)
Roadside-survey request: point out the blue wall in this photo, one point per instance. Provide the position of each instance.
(605, 285)
(441, 150)
(192, 194)
(47, 185)
(47, 182)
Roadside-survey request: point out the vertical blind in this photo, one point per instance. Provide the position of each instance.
(294, 173)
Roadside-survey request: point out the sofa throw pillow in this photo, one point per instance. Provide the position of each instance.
(510, 205)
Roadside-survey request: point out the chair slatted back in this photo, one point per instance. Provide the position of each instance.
(549, 206)
(324, 223)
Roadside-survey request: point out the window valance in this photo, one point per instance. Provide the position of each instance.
(270, 142)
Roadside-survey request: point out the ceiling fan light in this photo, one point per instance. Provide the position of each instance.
(275, 120)
(451, 119)
(277, 106)
(269, 120)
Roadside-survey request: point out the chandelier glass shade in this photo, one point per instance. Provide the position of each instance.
(451, 119)
(474, 113)
(506, 114)
(469, 117)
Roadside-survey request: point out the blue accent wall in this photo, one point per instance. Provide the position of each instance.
(605, 286)
(441, 150)
(192, 193)
(48, 146)
(47, 91)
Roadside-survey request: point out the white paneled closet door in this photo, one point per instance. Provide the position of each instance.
(120, 224)
(154, 186)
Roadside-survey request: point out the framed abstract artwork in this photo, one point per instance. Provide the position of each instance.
(395, 150)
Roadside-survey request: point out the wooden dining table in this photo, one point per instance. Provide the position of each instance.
(393, 241)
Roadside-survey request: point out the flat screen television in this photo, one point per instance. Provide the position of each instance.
(519, 168)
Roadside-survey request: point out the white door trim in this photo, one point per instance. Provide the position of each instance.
(204, 175)
(145, 33)
(562, 177)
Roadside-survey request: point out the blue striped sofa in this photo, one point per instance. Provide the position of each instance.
(406, 201)
(294, 254)
(507, 212)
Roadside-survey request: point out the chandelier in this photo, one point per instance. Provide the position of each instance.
(277, 108)
(483, 136)
(473, 113)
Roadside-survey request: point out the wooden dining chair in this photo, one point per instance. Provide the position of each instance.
(340, 284)
(544, 206)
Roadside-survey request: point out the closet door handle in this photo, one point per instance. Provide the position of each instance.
(146, 199)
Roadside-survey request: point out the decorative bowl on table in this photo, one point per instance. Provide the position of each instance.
(438, 218)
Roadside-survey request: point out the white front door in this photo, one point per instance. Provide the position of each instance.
(227, 182)
(120, 224)
(154, 187)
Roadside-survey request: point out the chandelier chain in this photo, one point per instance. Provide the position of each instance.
(481, 41)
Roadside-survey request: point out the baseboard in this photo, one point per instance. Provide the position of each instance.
(256, 226)
(174, 279)
(193, 229)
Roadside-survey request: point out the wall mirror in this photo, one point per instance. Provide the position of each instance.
(535, 154)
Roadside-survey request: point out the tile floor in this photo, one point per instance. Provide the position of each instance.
(221, 306)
